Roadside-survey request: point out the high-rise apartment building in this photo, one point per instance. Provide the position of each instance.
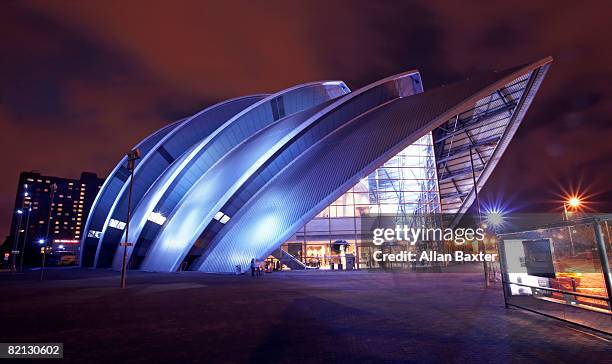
(50, 211)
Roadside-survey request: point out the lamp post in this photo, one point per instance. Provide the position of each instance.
(53, 188)
(27, 226)
(25, 238)
(484, 247)
(495, 219)
(16, 240)
(574, 203)
(132, 156)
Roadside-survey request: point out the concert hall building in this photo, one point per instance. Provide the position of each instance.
(287, 176)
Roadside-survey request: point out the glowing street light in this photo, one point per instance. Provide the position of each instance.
(572, 203)
(495, 218)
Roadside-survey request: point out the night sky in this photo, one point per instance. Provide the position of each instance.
(83, 81)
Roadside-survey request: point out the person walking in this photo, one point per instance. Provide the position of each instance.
(253, 267)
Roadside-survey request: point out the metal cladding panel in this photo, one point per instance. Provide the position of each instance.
(342, 111)
(155, 160)
(202, 201)
(322, 173)
(234, 132)
(106, 196)
(311, 131)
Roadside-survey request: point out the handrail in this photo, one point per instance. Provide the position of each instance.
(560, 291)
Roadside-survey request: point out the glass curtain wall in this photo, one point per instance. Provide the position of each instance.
(406, 185)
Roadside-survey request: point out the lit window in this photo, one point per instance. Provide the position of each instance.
(221, 217)
(116, 224)
(157, 218)
(94, 234)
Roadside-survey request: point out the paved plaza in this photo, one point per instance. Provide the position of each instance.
(289, 317)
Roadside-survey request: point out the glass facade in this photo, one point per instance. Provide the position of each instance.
(404, 185)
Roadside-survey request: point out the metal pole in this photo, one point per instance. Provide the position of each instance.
(484, 264)
(127, 231)
(16, 241)
(569, 230)
(132, 157)
(501, 250)
(603, 257)
(42, 265)
(25, 238)
(608, 232)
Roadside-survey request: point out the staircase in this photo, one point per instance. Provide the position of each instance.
(289, 260)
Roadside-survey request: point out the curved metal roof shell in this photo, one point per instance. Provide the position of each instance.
(176, 180)
(236, 180)
(325, 171)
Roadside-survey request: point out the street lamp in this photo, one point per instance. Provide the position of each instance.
(495, 219)
(573, 203)
(41, 241)
(27, 227)
(132, 156)
(16, 240)
(25, 238)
